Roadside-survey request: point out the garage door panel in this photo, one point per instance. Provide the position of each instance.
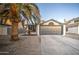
(73, 30)
(50, 30)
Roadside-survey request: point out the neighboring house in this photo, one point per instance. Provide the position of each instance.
(50, 27)
(5, 27)
(73, 26)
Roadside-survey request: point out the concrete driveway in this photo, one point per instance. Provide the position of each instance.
(43, 45)
(59, 45)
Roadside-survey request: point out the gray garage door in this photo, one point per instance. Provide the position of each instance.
(50, 30)
(73, 30)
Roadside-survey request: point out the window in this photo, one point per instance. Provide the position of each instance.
(51, 24)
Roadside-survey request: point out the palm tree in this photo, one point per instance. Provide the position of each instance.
(16, 12)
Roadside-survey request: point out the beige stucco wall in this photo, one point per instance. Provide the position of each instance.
(51, 21)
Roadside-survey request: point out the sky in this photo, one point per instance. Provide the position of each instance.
(59, 11)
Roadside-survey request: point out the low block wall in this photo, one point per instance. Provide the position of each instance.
(3, 30)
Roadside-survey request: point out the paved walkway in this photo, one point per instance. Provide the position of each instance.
(45, 45)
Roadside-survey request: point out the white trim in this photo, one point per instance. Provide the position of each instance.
(64, 30)
(78, 28)
(37, 30)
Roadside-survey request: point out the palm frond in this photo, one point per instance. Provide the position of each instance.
(36, 19)
(27, 10)
(34, 8)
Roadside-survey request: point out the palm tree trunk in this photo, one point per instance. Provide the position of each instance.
(14, 31)
(15, 21)
(29, 32)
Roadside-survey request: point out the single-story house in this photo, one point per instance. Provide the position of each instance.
(51, 27)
